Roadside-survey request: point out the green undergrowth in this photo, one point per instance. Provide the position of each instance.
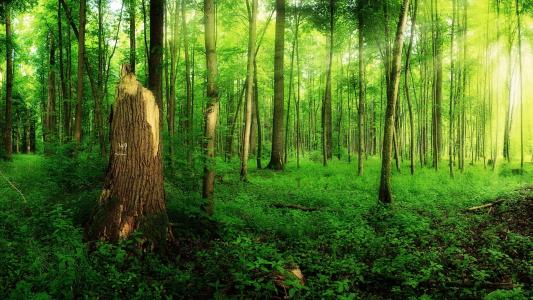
(322, 222)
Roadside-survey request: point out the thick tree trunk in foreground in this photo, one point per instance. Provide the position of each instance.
(276, 157)
(133, 196)
(211, 111)
(8, 140)
(385, 190)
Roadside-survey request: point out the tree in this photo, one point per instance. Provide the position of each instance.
(79, 91)
(327, 127)
(188, 86)
(8, 142)
(211, 110)
(133, 196)
(133, 56)
(385, 190)
(276, 157)
(361, 110)
(252, 16)
(155, 60)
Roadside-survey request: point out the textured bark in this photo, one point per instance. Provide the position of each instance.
(133, 195)
(81, 54)
(276, 157)
(407, 95)
(64, 90)
(327, 127)
(259, 153)
(50, 126)
(155, 60)
(385, 190)
(188, 87)
(361, 110)
(211, 111)
(8, 139)
(252, 14)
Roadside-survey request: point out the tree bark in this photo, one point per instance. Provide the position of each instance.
(407, 95)
(188, 117)
(8, 139)
(51, 104)
(133, 196)
(211, 111)
(327, 127)
(133, 48)
(361, 108)
(81, 54)
(64, 91)
(276, 157)
(385, 190)
(155, 60)
(252, 15)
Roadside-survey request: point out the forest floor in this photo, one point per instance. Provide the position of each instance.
(312, 232)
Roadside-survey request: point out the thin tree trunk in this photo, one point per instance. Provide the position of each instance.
(276, 158)
(8, 140)
(188, 92)
(81, 54)
(155, 61)
(362, 96)
(327, 127)
(211, 112)
(385, 190)
(519, 29)
(252, 15)
(406, 82)
(64, 90)
(133, 48)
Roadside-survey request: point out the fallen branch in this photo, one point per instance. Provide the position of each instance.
(14, 187)
(294, 206)
(486, 205)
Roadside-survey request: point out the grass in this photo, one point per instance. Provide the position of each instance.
(424, 246)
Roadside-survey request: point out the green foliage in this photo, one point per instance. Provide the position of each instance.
(424, 246)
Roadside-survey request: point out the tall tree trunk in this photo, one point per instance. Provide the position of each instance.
(297, 108)
(252, 16)
(521, 74)
(133, 48)
(327, 127)
(406, 82)
(155, 60)
(259, 154)
(145, 36)
(385, 190)
(98, 111)
(51, 104)
(81, 54)
(290, 94)
(437, 89)
(452, 91)
(133, 196)
(211, 111)
(64, 91)
(8, 139)
(188, 116)
(362, 98)
(276, 157)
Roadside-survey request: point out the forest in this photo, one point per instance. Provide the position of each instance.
(266, 149)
